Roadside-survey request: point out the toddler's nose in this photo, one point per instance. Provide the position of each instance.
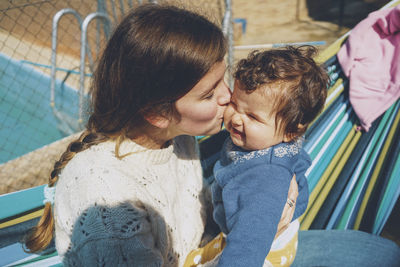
(236, 120)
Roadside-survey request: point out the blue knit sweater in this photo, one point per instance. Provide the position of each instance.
(249, 193)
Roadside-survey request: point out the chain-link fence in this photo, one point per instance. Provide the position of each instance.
(47, 52)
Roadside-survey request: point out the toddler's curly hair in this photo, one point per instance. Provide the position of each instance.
(291, 78)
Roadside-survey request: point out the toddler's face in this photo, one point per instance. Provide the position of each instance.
(249, 120)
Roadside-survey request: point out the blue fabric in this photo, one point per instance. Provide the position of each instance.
(345, 248)
(249, 193)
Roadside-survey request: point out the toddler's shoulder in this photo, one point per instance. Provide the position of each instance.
(290, 153)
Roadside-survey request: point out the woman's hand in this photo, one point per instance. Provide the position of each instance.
(289, 208)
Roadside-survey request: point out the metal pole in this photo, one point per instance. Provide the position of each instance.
(228, 31)
(56, 20)
(121, 7)
(114, 11)
(85, 25)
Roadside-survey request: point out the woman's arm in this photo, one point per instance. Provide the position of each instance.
(114, 236)
(288, 210)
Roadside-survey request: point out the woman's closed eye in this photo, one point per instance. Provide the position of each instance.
(209, 95)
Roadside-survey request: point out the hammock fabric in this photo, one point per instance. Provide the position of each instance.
(354, 179)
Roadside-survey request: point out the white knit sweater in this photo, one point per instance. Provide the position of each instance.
(143, 210)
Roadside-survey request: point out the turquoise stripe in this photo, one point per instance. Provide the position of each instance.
(40, 258)
(320, 168)
(328, 153)
(314, 151)
(338, 211)
(348, 217)
(389, 200)
(370, 167)
(322, 124)
(21, 201)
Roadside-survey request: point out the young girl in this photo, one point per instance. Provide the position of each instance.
(278, 93)
(129, 191)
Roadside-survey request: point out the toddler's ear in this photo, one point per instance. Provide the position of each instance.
(290, 136)
(301, 127)
(157, 120)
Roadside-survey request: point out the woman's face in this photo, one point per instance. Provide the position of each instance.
(202, 108)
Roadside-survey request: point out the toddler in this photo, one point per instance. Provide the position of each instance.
(278, 93)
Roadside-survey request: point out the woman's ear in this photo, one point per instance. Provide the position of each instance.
(158, 121)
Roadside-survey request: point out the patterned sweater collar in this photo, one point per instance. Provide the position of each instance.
(236, 154)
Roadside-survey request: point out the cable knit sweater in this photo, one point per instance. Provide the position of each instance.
(145, 209)
(249, 193)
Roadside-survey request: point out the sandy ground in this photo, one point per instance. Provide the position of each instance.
(288, 21)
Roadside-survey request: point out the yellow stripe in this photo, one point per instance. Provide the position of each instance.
(327, 180)
(376, 172)
(395, 3)
(330, 50)
(338, 83)
(22, 219)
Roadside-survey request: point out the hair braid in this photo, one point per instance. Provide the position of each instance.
(41, 235)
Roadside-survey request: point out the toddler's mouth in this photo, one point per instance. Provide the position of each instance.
(236, 133)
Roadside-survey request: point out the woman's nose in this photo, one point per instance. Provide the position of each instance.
(225, 95)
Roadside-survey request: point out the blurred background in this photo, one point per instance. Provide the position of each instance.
(287, 21)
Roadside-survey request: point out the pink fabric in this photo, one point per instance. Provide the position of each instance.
(371, 59)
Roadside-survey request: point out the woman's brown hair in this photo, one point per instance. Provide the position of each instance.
(296, 83)
(155, 56)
